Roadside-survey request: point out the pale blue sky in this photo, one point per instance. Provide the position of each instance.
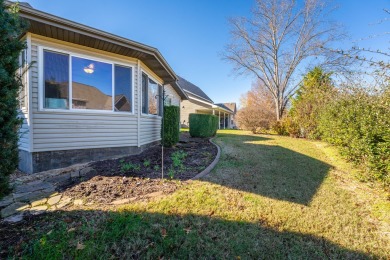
(191, 34)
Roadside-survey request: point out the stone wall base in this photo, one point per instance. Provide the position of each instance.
(33, 162)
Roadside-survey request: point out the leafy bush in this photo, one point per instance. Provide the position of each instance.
(258, 111)
(11, 30)
(280, 128)
(313, 94)
(171, 125)
(203, 125)
(358, 122)
(177, 158)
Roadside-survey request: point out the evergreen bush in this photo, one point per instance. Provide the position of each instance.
(203, 125)
(171, 125)
(11, 30)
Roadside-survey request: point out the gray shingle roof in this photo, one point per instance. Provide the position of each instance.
(232, 106)
(189, 87)
(223, 106)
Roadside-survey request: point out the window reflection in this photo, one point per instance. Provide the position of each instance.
(153, 97)
(123, 88)
(56, 77)
(91, 84)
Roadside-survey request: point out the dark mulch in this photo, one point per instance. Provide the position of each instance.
(136, 176)
(199, 154)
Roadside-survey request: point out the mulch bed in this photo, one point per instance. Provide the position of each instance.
(136, 176)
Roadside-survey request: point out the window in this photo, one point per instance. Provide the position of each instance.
(123, 95)
(151, 94)
(56, 80)
(91, 84)
(23, 66)
(94, 85)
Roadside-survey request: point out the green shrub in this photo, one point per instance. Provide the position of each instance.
(11, 30)
(280, 128)
(358, 122)
(313, 94)
(203, 125)
(171, 125)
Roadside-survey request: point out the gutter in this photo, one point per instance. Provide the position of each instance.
(40, 16)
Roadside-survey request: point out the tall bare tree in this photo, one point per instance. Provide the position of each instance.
(277, 40)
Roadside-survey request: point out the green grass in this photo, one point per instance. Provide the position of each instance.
(269, 197)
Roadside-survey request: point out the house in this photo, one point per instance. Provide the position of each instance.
(198, 102)
(232, 107)
(89, 95)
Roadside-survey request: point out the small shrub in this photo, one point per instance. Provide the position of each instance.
(171, 173)
(171, 125)
(203, 125)
(130, 167)
(147, 163)
(177, 158)
(280, 128)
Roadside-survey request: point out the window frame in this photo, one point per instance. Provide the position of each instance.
(71, 54)
(160, 85)
(22, 73)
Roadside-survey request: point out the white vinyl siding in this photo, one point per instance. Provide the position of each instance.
(150, 130)
(24, 135)
(65, 130)
(172, 94)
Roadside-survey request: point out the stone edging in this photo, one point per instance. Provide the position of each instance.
(212, 165)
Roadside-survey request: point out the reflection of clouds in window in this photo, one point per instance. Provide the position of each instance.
(91, 86)
(91, 89)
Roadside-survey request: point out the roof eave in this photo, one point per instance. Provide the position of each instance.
(49, 19)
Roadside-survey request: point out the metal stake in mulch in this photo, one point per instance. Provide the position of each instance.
(161, 98)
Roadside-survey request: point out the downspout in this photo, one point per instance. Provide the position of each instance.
(139, 92)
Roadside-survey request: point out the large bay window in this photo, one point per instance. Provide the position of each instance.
(76, 83)
(151, 95)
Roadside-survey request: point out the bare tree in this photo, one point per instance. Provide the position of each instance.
(280, 36)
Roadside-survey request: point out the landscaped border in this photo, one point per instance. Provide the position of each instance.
(212, 165)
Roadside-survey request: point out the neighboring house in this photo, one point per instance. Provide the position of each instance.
(199, 103)
(89, 95)
(232, 107)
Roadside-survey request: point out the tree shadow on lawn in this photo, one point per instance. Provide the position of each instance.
(269, 170)
(135, 235)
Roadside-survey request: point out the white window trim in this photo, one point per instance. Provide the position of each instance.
(71, 54)
(141, 87)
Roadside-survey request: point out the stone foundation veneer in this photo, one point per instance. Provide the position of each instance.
(42, 161)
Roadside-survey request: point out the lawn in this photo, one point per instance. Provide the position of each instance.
(269, 197)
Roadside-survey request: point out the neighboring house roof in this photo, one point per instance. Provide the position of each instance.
(55, 27)
(232, 106)
(193, 90)
(224, 107)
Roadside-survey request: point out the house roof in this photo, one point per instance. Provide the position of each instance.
(224, 107)
(232, 106)
(55, 27)
(192, 90)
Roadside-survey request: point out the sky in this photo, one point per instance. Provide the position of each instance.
(191, 34)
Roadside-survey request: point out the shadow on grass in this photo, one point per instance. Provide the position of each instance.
(135, 235)
(269, 170)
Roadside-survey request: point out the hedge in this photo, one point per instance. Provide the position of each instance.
(358, 122)
(171, 125)
(203, 125)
